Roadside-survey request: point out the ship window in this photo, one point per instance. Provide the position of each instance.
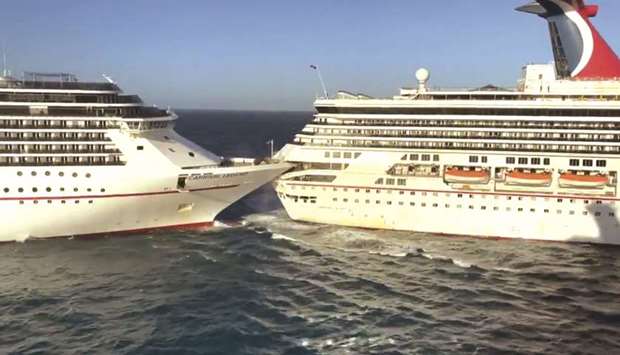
(414, 156)
(61, 174)
(510, 160)
(571, 212)
(367, 201)
(191, 154)
(389, 181)
(587, 162)
(585, 213)
(75, 175)
(546, 161)
(378, 202)
(6, 189)
(140, 147)
(404, 157)
(535, 161)
(36, 202)
(49, 189)
(402, 182)
(520, 209)
(49, 201)
(34, 173)
(379, 181)
(357, 155)
(597, 214)
(426, 157)
(484, 159)
(347, 155)
(473, 159)
(522, 160)
(601, 163)
(21, 189)
(411, 203)
(326, 154)
(611, 214)
(102, 190)
(389, 202)
(574, 162)
(336, 154)
(19, 173)
(63, 201)
(436, 157)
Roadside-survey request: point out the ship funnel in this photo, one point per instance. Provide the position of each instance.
(579, 50)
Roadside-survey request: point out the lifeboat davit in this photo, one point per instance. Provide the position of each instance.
(528, 179)
(583, 181)
(466, 176)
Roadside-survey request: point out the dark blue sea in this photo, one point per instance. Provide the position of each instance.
(258, 283)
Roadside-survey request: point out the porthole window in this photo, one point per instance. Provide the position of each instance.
(20, 189)
(36, 202)
(6, 189)
(47, 173)
(74, 175)
(75, 189)
(34, 189)
(61, 174)
(21, 202)
(102, 190)
(88, 175)
(19, 173)
(33, 173)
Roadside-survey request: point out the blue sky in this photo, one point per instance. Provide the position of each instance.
(249, 54)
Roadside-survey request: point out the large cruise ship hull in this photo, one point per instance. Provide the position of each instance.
(125, 210)
(444, 212)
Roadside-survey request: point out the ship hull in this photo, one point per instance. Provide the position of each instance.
(133, 206)
(478, 214)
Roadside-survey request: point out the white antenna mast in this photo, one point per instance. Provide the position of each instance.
(318, 71)
(4, 70)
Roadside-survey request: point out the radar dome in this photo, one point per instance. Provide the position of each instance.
(422, 75)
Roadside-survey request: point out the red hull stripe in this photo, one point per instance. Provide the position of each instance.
(92, 197)
(466, 192)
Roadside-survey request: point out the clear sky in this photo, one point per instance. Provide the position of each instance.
(255, 54)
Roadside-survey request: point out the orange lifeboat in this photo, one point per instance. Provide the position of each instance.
(454, 175)
(528, 179)
(583, 181)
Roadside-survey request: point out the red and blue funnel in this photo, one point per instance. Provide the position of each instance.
(580, 51)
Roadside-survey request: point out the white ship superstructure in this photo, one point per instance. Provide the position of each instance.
(538, 162)
(82, 158)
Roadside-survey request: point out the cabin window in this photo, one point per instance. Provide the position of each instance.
(140, 147)
(436, 157)
(510, 160)
(347, 155)
(546, 161)
(426, 157)
(601, 163)
(535, 161)
(522, 160)
(574, 162)
(484, 159)
(326, 154)
(414, 156)
(473, 159)
(587, 162)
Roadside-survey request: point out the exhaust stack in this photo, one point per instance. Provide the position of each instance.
(579, 50)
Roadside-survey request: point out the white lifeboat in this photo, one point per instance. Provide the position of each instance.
(454, 175)
(583, 181)
(528, 178)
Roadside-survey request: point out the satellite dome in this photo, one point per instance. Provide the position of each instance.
(422, 75)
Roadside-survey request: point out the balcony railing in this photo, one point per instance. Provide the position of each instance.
(58, 85)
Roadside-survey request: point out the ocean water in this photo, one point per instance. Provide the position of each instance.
(258, 283)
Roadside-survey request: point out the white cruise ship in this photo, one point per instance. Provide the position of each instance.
(81, 158)
(538, 162)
